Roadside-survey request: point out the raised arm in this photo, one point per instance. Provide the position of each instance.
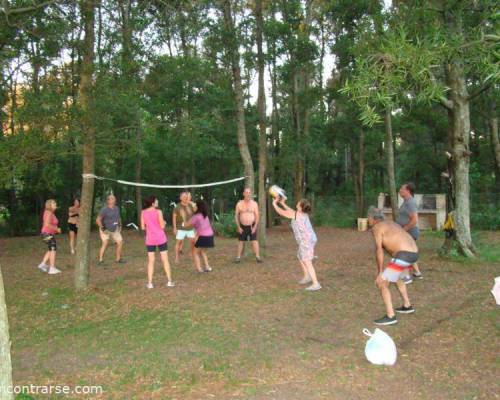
(286, 211)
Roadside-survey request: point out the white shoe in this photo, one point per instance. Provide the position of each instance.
(72, 252)
(305, 281)
(208, 269)
(53, 271)
(170, 284)
(43, 267)
(150, 286)
(313, 288)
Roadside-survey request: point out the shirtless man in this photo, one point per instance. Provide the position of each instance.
(391, 237)
(247, 219)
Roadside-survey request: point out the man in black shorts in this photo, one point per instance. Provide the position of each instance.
(247, 219)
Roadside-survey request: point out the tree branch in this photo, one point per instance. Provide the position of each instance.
(446, 103)
(22, 10)
(479, 91)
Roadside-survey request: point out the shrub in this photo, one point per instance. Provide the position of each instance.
(224, 225)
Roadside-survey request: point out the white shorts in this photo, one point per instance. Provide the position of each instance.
(182, 234)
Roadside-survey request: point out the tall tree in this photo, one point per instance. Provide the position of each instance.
(232, 48)
(403, 65)
(389, 159)
(261, 107)
(82, 261)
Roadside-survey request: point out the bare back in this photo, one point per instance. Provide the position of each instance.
(393, 237)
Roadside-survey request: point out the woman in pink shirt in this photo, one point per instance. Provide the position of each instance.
(153, 223)
(204, 235)
(49, 230)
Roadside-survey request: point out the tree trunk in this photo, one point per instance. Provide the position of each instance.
(459, 118)
(299, 164)
(5, 361)
(495, 141)
(138, 172)
(358, 175)
(389, 154)
(261, 107)
(88, 133)
(234, 55)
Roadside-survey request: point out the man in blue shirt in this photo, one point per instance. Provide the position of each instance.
(110, 227)
(408, 220)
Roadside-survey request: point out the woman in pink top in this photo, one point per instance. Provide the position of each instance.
(204, 235)
(153, 223)
(49, 230)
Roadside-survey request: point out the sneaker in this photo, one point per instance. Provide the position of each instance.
(259, 260)
(418, 276)
(170, 284)
(407, 280)
(313, 288)
(120, 261)
(305, 281)
(386, 321)
(405, 310)
(72, 252)
(208, 269)
(100, 263)
(150, 286)
(43, 267)
(53, 271)
(237, 260)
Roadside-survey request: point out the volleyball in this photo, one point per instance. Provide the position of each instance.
(275, 191)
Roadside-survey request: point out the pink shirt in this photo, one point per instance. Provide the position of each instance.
(52, 221)
(202, 225)
(155, 235)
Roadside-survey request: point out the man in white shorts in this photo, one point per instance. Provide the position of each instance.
(391, 237)
(183, 212)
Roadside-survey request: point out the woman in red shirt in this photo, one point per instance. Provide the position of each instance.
(49, 230)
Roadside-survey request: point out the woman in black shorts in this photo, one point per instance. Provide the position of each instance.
(74, 214)
(204, 235)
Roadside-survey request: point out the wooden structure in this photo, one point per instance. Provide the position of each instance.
(431, 209)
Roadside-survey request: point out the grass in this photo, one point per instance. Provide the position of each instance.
(248, 331)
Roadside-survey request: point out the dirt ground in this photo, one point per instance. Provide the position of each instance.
(250, 331)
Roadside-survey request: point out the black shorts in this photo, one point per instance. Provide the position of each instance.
(72, 227)
(161, 247)
(407, 256)
(204, 242)
(247, 234)
(50, 241)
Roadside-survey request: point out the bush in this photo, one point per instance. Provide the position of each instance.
(334, 212)
(224, 225)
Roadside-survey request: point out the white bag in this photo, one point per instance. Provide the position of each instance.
(380, 348)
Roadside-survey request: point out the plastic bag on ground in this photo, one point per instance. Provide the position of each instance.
(380, 349)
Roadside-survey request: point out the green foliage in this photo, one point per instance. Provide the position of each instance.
(172, 86)
(224, 225)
